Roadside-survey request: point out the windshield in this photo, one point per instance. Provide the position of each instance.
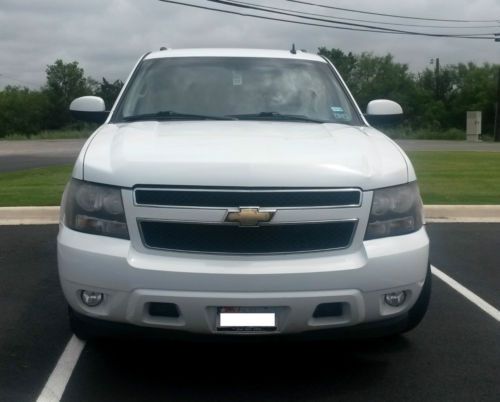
(239, 88)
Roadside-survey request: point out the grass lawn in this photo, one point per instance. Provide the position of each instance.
(458, 177)
(445, 178)
(40, 186)
(62, 134)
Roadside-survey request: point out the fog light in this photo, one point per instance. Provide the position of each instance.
(91, 299)
(395, 299)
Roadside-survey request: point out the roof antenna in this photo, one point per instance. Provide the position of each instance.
(293, 51)
(163, 48)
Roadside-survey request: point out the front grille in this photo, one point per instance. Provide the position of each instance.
(232, 239)
(231, 198)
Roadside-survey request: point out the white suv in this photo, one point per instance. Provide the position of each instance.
(241, 192)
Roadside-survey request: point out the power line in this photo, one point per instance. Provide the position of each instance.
(348, 24)
(384, 15)
(378, 30)
(372, 21)
(265, 18)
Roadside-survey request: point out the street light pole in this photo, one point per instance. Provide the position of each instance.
(437, 78)
(497, 110)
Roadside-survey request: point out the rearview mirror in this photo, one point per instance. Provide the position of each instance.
(383, 111)
(89, 108)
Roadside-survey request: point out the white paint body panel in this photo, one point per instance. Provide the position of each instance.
(241, 154)
(88, 104)
(228, 52)
(381, 107)
(198, 283)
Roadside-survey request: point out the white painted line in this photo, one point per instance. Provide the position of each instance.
(471, 296)
(56, 384)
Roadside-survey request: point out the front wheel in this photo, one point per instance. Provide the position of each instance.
(87, 329)
(78, 326)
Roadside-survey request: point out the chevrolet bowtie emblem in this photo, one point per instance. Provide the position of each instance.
(249, 216)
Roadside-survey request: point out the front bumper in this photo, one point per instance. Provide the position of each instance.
(293, 285)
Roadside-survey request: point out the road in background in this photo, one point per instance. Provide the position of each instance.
(453, 355)
(18, 155)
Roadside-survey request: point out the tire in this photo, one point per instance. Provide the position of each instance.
(87, 329)
(78, 327)
(417, 312)
(92, 329)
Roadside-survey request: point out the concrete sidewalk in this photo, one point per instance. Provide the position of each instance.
(433, 213)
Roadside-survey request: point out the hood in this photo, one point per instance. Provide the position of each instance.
(243, 154)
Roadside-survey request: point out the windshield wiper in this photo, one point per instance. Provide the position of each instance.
(276, 116)
(171, 115)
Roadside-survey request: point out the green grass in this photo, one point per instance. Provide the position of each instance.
(51, 135)
(405, 133)
(34, 187)
(444, 177)
(458, 177)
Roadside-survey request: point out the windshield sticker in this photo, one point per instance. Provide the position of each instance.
(237, 79)
(340, 114)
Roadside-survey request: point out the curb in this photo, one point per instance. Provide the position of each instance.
(462, 213)
(433, 214)
(29, 215)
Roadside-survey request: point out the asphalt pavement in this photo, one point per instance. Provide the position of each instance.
(454, 355)
(18, 155)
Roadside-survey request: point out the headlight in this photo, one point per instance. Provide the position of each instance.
(395, 211)
(95, 209)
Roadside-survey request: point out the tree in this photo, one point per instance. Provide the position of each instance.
(22, 111)
(474, 89)
(373, 77)
(65, 82)
(344, 63)
(108, 91)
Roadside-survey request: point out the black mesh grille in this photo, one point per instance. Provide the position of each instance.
(214, 238)
(227, 199)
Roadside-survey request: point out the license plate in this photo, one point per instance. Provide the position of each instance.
(243, 319)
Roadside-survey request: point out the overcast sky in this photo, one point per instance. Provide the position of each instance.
(107, 36)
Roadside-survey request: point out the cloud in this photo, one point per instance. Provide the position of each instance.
(107, 37)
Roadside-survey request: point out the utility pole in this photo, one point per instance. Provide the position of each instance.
(497, 110)
(438, 92)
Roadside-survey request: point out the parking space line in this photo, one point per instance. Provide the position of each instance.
(56, 384)
(471, 296)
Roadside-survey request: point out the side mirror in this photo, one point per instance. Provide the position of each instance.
(89, 108)
(383, 111)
